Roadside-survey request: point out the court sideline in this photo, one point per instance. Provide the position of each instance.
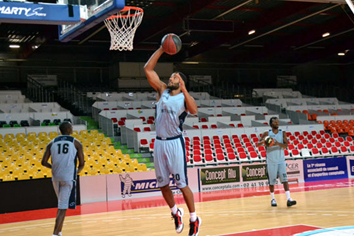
(322, 204)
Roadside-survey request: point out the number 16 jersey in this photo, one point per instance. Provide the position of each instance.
(64, 158)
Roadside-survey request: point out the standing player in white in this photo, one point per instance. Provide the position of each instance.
(276, 166)
(64, 150)
(174, 103)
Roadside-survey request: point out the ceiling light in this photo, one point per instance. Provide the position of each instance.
(190, 62)
(251, 32)
(341, 54)
(14, 46)
(326, 35)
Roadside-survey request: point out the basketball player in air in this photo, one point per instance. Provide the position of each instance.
(276, 166)
(172, 107)
(64, 150)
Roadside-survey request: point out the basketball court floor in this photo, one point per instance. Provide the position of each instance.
(324, 208)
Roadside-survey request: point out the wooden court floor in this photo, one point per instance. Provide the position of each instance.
(323, 206)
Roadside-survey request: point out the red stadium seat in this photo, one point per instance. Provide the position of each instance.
(295, 153)
(263, 155)
(315, 152)
(231, 157)
(325, 151)
(253, 156)
(209, 159)
(242, 156)
(344, 150)
(334, 151)
(286, 154)
(147, 129)
(300, 146)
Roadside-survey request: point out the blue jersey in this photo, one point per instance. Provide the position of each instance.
(275, 154)
(170, 115)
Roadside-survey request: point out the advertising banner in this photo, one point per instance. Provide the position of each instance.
(254, 175)
(143, 184)
(295, 171)
(219, 178)
(38, 13)
(350, 164)
(325, 169)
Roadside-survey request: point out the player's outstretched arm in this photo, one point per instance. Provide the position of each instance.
(261, 141)
(80, 154)
(151, 74)
(46, 156)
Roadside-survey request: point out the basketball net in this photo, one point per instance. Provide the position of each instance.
(122, 27)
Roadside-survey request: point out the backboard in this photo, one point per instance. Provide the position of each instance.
(92, 12)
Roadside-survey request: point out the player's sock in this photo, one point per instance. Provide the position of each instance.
(193, 216)
(174, 209)
(288, 195)
(272, 195)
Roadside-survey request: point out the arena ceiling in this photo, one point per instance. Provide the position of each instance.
(212, 31)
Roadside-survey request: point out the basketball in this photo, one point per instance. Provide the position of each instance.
(268, 141)
(171, 44)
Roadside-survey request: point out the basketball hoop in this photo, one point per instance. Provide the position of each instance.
(122, 27)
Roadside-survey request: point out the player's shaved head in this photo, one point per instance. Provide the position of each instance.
(65, 128)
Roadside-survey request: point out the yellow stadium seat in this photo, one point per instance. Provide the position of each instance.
(117, 169)
(35, 141)
(11, 135)
(129, 169)
(92, 171)
(142, 167)
(126, 156)
(53, 134)
(20, 137)
(94, 132)
(46, 172)
(119, 152)
(100, 136)
(16, 172)
(23, 176)
(104, 171)
(31, 134)
(83, 133)
(8, 178)
(110, 165)
(20, 162)
(134, 162)
(38, 175)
